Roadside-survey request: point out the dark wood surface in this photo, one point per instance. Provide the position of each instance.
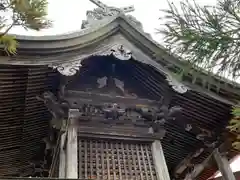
(119, 131)
(31, 119)
(79, 98)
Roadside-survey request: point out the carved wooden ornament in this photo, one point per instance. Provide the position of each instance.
(121, 53)
(103, 12)
(177, 86)
(69, 69)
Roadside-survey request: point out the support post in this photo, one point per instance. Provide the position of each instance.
(159, 161)
(62, 156)
(72, 147)
(223, 165)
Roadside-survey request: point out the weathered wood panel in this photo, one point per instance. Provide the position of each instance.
(159, 161)
(223, 165)
(115, 159)
(120, 131)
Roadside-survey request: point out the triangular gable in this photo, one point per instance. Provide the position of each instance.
(122, 31)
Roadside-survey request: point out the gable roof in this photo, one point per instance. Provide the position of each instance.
(99, 39)
(52, 50)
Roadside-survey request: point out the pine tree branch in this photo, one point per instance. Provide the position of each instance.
(30, 14)
(7, 30)
(207, 37)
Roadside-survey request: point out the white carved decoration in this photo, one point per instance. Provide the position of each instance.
(188, 127)
(103, 12)
(121, 53)
(119, 84)
(188, 176)
(177, 86)
(198, 152)
(102, 82)
(68, 69)
(71, 68)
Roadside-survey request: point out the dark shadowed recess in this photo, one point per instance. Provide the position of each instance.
(201, 111)
(23, 128)
(24, 121)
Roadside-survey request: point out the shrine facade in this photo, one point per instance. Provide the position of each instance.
(106, 103)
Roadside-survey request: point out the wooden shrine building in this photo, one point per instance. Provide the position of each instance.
(104, 103)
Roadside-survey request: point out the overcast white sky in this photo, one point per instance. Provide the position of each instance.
(67, 16)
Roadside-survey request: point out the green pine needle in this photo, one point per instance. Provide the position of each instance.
(234, 126)
(29, 14)
(207, 37)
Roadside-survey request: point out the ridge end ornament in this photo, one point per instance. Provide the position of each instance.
(68, 69)
(176, 85)
(103, 12)
(120, 52)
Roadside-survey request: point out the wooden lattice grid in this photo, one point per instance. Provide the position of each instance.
(115, 160)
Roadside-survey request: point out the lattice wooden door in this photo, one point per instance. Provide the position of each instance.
(115, 160)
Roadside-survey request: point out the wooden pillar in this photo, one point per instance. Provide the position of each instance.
(159, 161)
(223, 165)
(72, 147)
(62, 157)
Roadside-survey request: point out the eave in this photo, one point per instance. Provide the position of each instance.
(47, 50)
(199, 110)
(58, 49)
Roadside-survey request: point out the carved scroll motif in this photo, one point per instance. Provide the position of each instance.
(103, 12)
(121, 53)
(177, 86)
(55, 107)
(164, 114)
(112, 114)
(69, 69)
(152, 117)
(112, 86)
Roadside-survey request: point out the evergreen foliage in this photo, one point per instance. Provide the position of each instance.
(208, 38)
(235, 126)
(30, 14)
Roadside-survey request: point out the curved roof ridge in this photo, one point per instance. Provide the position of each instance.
(66, 36)
(96, 30)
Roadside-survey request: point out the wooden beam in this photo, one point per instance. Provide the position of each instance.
(183, 165)
(62, 158)
(119, 131)
(72, 147)
(223, 165)
(159, 161)
(187, 161)
(79, 98)
(200, 167)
